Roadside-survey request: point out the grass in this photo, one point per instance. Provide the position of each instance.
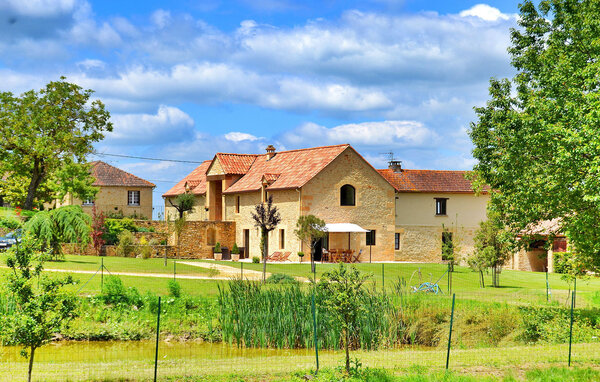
(206, 362)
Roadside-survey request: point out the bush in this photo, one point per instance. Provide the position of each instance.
(115, 293)
(145, 248)
(281, 278)
(126, 247)
(235, 250)
(255, 260)
(174, 288)
(218, 247)
(114, 227)
(10, 223)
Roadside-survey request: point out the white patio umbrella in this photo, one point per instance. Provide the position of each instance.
(344, 227)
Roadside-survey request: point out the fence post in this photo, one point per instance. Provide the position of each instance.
(314, 314)
(449, 278)
(571, 328)
(174, 269)
(157, 333)
(450, 333)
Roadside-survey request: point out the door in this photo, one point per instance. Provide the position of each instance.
(319, 245)
(246, 243)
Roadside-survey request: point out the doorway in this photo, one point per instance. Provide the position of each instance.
(246, 243)
(319, 245)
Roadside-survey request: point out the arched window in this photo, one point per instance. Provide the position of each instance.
(347, 195)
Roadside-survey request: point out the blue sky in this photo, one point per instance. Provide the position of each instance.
(185, 79)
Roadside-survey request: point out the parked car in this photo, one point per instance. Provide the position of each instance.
(10, 239)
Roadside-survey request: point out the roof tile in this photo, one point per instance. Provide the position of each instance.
(107, 175)
(428, 181)
(196, 180)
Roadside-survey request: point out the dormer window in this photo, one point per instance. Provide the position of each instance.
(347, 195)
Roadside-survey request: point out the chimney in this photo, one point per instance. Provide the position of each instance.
(270, 151)
(395, 165)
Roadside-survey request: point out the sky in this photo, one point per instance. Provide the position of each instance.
(186, 79)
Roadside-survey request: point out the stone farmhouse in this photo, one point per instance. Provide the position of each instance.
(119, 193)
(401, 210)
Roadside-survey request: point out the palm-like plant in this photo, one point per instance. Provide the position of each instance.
(266, 217)
(68, 224)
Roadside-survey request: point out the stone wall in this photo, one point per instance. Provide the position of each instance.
(197, 212)
(424, 243)
(199, 237)
(534, 260)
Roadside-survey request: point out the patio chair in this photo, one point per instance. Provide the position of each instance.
(324, 255)
(274, 256)
(285, 256)
(356, 257)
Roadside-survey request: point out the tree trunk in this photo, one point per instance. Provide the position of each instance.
(30, 364)
(347, 351)
(37, 175)
(265, 250)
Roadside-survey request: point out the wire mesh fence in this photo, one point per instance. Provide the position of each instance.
(217, 323)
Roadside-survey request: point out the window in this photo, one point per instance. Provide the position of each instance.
(371, 237)
(447, 246)
(237, 204)
(88, 202)
(397, 241)
(133, 198)
(347, 195)
(265, 194)
(440, 206)
(281, 239)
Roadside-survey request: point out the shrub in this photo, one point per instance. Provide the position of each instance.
(114, 227)
(115, 293)
(10, 223)
(281, 278)
(255, 260)
(235, 250)
(145, 248)
(126, 247)
(218, 247)
(163, 242)
(174, 288)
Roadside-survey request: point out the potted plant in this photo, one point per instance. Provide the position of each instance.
(217, 252)
(300, 255)
(235, 252)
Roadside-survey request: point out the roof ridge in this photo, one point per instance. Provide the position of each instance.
(289, 151)
(415, 169)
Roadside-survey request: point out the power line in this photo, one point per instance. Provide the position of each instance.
(146, 158)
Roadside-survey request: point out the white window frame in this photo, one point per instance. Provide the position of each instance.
(88, 202)
(131, 198)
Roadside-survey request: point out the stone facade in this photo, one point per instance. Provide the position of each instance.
(198, 238)
(420, 229)
(198, 212)
(113, 199)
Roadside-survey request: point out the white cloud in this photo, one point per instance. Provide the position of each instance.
(485, 12)
(39, 8)
(169, 124)
(236, 136)
(393, 134)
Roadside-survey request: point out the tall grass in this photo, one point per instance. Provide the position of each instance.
(254, 315)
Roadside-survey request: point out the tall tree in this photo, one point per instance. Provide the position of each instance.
(309, 228)
(46, 136)
(42, 306)
(536, 140)
(266, 217)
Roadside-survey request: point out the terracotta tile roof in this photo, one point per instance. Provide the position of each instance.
(236, 164)
(270, 178)
(107, 175)
(196, 181)
(295, 168)
(428, 181)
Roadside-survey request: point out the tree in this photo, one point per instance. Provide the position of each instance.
(40, 311)
(309, 228)
(493, 246)
(46, 136)
(536, 140)
(183, 202)
(266, 217)
(343, 293)
(68, 224)
(98, 230)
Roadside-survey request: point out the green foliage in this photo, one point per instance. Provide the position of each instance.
(174, 288)
(217, 248)
(10, 223)
(493, 245)
(183, 203)
(235, 250)
(57, 127)
(115, 293)
(567, 263)
(308, 229)
(344, 293)
(114, 227)
(551, 325)
(536, 141)
(68, 224)
(126, 246)
(41, 305)
(145, 248)
(281, 278)
(255, 259)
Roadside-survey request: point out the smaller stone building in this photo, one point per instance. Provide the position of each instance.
(119, 192)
